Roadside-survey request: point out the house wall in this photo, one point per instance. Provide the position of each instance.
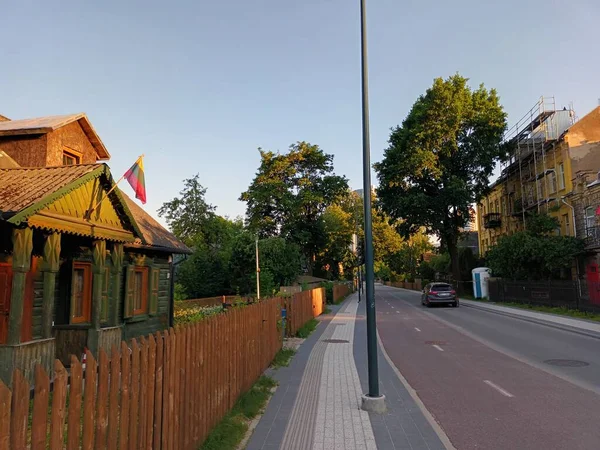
(27, 151)
(69, 137)
(134, 327)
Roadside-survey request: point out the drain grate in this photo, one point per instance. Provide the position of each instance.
(566, 363)
(336, 341)
(435, 342)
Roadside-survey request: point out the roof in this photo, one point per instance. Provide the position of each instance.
(22, 187)
(43, 125)
(25, 191)
(6, 162)
(153, 233)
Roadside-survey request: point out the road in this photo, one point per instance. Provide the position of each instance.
(484, 378)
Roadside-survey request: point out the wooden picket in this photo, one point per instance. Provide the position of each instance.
(165, 391)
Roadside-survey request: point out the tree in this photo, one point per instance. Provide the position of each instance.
(187, 216)
(290, 194)
(534, 254)
(280, 264)
(206, 272)
(439, 160)
(407, 258)
(336, 258)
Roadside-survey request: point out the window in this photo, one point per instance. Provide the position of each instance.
(561, 176)
(503, 206)
(567, 226)
(81, 292)
(496, 208)
(552, 182)
(140, 291)
(590, 218)
(70, 158)
(540, 190)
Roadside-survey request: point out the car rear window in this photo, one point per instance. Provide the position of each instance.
(441, 287)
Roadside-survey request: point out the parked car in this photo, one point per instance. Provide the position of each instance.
(439, 293)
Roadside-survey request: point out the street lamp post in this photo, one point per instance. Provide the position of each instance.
(373, 401)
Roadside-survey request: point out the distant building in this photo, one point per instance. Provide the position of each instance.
(549, 151)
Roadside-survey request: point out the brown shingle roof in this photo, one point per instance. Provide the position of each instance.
(155, 235)
(22, 187)
(43, 125)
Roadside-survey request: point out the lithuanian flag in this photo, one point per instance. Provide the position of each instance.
(135, 177)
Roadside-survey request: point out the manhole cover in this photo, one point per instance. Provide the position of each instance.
(566, 363)
(435, 342)
(336, 341)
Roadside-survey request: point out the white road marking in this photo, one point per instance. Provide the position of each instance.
(438, 347)
(498, 388)
(417, 329)
(393, 307)
(397, 312)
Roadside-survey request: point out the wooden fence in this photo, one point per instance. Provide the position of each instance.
(340, 291)
(303, 306)
(164, 392)
(415, 286)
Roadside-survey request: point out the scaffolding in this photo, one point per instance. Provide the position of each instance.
(529, 140)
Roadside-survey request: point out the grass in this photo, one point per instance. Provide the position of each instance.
(559, 310)
(327, 310)
(306, 329)
(232, 429)
(283, 357)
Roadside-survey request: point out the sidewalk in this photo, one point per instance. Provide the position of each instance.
(580, 326)
(317, 403)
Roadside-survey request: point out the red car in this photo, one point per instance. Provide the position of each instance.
(439, 293)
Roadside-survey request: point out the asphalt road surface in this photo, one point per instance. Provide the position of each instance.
(486, 378)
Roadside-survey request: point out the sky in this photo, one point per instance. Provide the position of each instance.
(198, 86)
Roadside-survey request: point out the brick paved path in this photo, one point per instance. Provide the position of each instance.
(317, 403)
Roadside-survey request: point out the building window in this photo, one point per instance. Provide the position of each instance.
(567, 226)
(590, 217)
(71, 158)
(81, 292)
(496, 208)
(540, 190)
(140, 291)
(552, 182)
(561, 176)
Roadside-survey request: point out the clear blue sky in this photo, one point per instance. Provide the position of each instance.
(198, 85)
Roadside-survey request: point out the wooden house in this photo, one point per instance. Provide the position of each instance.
(73, 276)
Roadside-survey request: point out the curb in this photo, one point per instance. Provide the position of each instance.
(543, 322)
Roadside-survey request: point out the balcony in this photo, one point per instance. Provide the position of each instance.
(592, 237)
(492, 220)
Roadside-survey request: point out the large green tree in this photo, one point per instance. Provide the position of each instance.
(290, 194)
(439, 160)
(280, 264)
(188, 215)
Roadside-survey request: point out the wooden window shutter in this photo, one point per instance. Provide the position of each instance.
(129, 291)
(154, 275)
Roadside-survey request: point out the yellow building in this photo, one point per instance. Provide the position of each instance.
(549, 150)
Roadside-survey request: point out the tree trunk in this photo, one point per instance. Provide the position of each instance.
(453, 251)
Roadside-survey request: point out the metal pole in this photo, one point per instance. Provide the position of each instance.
(257, 272)
(370, 288)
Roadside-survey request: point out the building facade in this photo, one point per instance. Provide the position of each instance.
(549, 151)
(82, 266)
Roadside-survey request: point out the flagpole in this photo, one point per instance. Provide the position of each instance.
(91, 210)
